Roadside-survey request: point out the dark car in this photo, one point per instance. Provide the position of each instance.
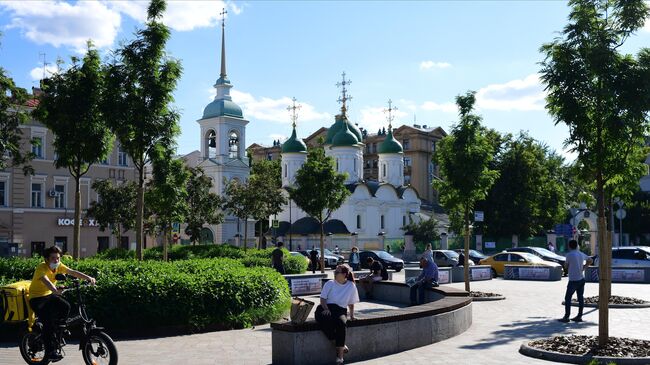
(475, 256)
(330, 260)
(540, 252)
(387, 260)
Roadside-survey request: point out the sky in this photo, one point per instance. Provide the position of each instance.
(418, 54)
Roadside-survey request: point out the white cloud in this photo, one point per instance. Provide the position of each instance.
(443, 107)
(274, 110)
(522, 94)
(62, 24)
(37, 72)
(279, 137)
(374, 118)
(425, 65)
(180, 15)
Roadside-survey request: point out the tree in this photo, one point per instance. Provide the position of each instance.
(140, 83)
(266, 182)
(115, 207)
(166, 194)
(603, 96)
(464, 159)
(203, 206)
(240, 200)
(319, 190)
(12, 117)
(423, 231)
(528, 196)
(70, 106)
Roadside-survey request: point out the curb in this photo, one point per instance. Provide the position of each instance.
(579, 359)
(620, 306)
(487, 299)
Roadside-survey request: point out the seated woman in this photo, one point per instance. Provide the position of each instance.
(46, 300)
(336, 298)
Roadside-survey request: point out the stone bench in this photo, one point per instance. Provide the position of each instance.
(446, 313)
(528, 272)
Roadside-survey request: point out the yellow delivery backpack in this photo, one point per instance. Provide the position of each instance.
(14, 303)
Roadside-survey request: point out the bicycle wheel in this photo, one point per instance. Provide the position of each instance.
(32, 350)
(99, 350)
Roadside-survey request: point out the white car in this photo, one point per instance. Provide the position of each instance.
(632, 256)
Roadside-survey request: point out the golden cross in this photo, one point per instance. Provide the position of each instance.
(292, 109)
(223, 16)
(344, 93)
(390, 111)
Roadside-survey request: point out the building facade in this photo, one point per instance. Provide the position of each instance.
(37, 211)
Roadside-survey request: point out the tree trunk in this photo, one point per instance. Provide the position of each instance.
(139, 206)
(322, 249)
(466, 258)
(604, 270)
(245, 234)
(165, 242)
(119, 235)
(76, 250)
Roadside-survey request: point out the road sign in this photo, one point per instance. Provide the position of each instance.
(478, 216)
(621, 213)
(276, 223)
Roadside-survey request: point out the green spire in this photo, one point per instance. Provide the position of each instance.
(390, 144)
(294, 144)
(344, 138)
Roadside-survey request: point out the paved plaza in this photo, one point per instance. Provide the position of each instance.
(529, 312)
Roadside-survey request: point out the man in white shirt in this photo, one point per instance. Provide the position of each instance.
(575, 265)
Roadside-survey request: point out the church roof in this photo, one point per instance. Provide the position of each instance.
(339, 122)
(373, 186)
(390, 144)
(344, 137)
(222, 107)
(309, 225)
(294, 144)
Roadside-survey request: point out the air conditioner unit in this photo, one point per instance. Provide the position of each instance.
(52, 193)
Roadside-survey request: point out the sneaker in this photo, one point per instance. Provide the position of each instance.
(339, 360)
(577, 319)
(346, 349)
(564, 320)
(54, 356)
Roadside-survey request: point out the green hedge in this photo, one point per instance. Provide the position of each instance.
(188, 295)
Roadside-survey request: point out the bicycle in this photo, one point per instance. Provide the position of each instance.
(95, 345)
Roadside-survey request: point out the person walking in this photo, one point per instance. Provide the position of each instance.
(337, 301)
(575, 265)
(427, 279)
(428, 252)
(313, 256)
(277, 258)
(355, 260)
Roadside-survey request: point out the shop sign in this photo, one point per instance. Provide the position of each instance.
(86, 222)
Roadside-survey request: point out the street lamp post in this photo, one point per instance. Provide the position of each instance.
(290, 223)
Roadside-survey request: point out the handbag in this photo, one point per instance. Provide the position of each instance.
(300, 309)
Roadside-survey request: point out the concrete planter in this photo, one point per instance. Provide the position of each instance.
(638, 275)
(305, 284)
(476, 273)
(444, 274)
(538, 273)
(527, 350)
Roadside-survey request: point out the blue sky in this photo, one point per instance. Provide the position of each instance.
(419, 54)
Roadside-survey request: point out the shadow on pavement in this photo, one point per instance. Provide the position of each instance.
(533, 328)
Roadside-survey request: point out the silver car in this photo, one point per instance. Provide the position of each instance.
(633, 256)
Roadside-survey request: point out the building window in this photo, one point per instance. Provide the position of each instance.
(383, 170)
(3, 194)
(374, 148)
(59, 196)
(37, 195)
(37, 147)
(407, 179)
(407, 161)
(358, 221)
(106, 161)
(233, 144)
(382, 222)
(121, 157)
(120, 174)
(269, 156)
(374, 164)
(433, 146)
(406, 144)
(337, 164)
(285, 170)
(355, 164)
(403, 220)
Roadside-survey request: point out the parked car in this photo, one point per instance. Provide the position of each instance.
(629, 256)
(542, 253)
(387, 260)
(446, 258)
(330, 260)
(299, 254)
(328, 252)
(498, 261)
(474, 256)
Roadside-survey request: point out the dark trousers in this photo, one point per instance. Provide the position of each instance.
(333, 325)
(577, 286)
(314, 265)
(355, 266)
(51, 310)
(419, 288)
(279, 268)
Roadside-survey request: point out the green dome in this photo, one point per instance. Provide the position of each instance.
(338, 125)
(293, 144)
(344, 138)
(390, 145)
(222, 107)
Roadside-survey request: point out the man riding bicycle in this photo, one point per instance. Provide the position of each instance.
(45, 297)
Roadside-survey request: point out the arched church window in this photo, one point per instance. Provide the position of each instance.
(337, 164)
(358, 221)
(383, 170)
(382, 222)
(355, 165)
(233, 145)
(211, 144)
(285, 170)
